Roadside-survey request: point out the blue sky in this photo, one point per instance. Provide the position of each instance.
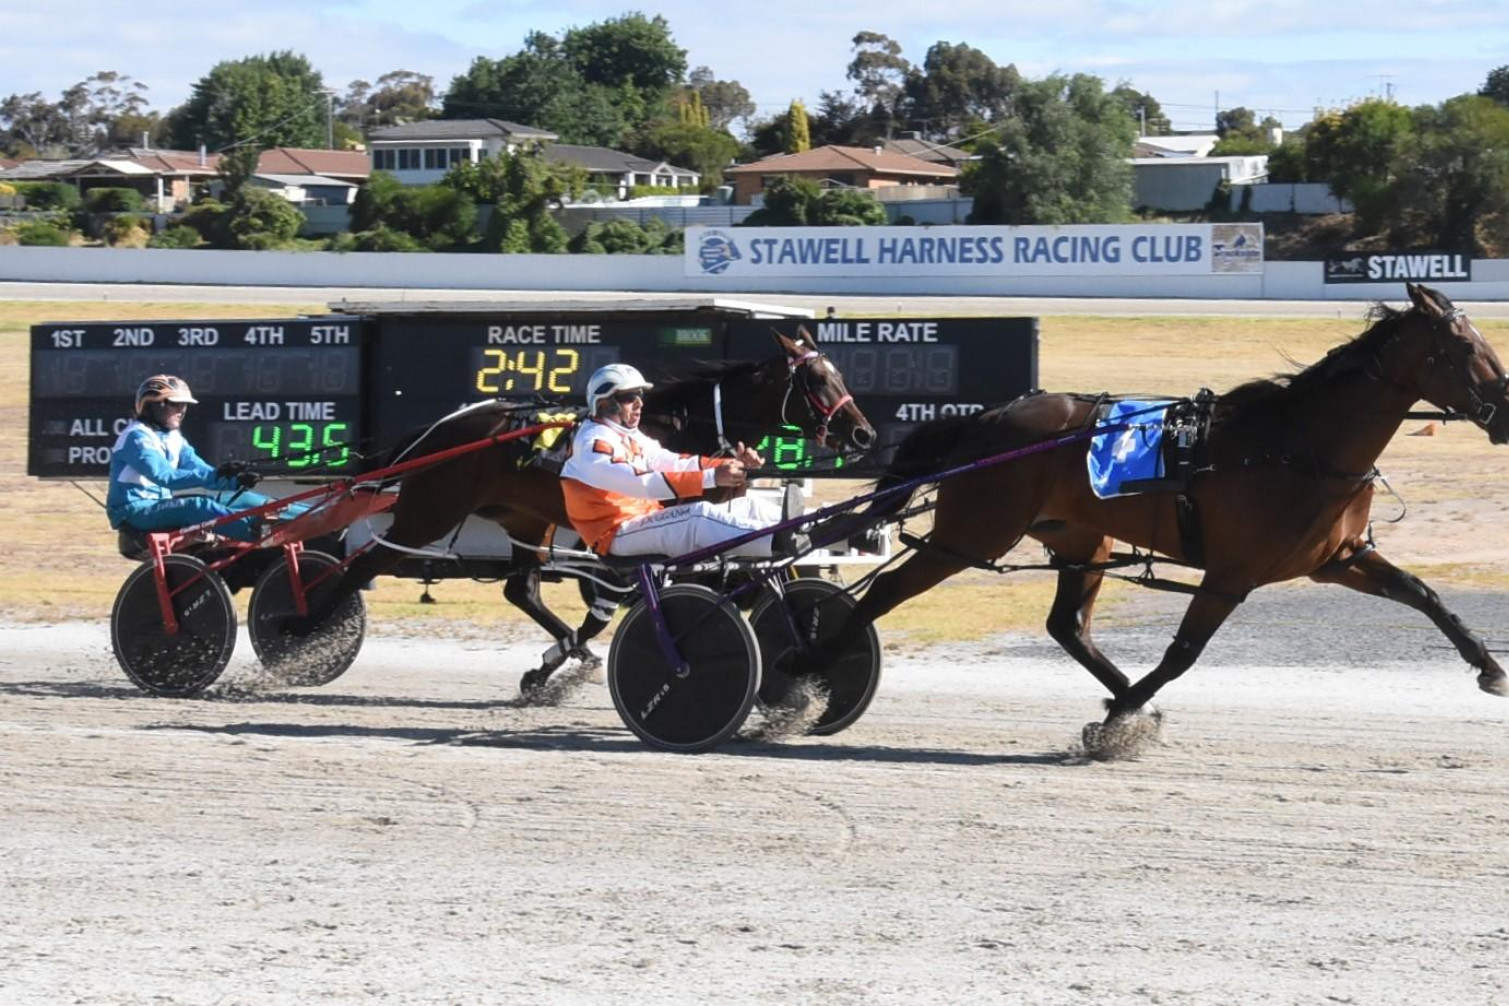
(1279, 57)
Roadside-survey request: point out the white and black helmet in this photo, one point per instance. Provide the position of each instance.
(611, 380)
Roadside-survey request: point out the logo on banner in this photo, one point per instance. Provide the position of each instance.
(716, 251)
(1236, 248)
(1442, 267)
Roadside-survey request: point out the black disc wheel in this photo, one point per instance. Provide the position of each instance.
(319, 656)
(188, 661)
(703, 701)
(810, 615)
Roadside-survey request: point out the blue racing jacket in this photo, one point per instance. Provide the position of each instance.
(147, 465)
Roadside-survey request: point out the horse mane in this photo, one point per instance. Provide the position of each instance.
(1268, 398)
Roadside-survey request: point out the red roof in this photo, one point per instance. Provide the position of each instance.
(835, 158)
(298, 161)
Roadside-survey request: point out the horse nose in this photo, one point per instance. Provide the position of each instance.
(862, 437)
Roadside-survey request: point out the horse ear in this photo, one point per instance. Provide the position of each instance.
(1423, 297)
(792, 347)
(806, 337)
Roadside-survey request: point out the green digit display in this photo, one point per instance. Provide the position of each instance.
(789, 452)
(269, 439)
(300, 445)
(334, 437)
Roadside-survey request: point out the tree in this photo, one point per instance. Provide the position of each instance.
(798, 135)
(958, 85)
(1356, 152)
(631, 50)
(271, 101)
(840, 121)
(399, 96)
(105, 110)
(725, 100)
(524, 190)
(793, 201)
(1497, 85)
(1452, 180)
(1062, 159)
(1144, 108)
(879, 73)
(704, 149)
(540, 87)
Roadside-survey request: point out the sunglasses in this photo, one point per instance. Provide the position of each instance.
(625, 397)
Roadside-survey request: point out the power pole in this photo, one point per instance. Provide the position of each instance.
(329, 119)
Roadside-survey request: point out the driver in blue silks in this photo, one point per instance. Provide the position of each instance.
(151, 461)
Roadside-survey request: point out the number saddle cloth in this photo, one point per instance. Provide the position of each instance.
(1155, 445)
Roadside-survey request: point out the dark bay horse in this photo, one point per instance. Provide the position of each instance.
(1284, 491)
(702, 413)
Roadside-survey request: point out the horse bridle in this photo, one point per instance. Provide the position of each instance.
(1480, 410)
(822, 412)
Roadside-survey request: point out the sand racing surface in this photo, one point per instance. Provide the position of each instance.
(1322, 820)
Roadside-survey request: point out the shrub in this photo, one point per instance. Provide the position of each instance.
(385, 239)
(177, 236)
(208, 218)
(41, 234)
(257, 220)
(127, 230)
(113, 201)
(48, 195)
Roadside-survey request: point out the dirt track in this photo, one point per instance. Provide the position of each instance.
(1322, 821)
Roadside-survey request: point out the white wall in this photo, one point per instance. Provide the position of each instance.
(660, 274)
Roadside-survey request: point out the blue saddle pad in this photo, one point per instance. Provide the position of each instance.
(1129, 455)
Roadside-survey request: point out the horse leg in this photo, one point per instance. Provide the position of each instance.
(1373, 574)
(522, 590)
(1205, 614)
(1074, 605)
(601, 604)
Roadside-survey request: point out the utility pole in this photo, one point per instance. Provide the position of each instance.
(329, 119)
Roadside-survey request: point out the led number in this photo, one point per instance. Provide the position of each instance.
(537, 370)
(301, 445)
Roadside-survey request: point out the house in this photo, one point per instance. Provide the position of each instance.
(308, 177)
(615, 173)
(420, 153)
(913, 145)
(165, 177)
(1180, 145)
(1181, 184)
(850, 167)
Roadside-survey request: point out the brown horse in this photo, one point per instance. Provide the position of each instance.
(1283, 491)
(723, 403)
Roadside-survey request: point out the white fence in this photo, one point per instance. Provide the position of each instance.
(664, 274)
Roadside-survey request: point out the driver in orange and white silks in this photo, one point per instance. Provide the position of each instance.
(617, 476)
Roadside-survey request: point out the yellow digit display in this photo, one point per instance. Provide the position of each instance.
(506, 371)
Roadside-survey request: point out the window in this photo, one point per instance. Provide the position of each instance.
(432, 157)
(460, 155)
(408, 160)
(382, 160)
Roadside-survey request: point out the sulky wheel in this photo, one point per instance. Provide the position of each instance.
(321, 656)
(819, 610)
(703, 706)
(189, 661)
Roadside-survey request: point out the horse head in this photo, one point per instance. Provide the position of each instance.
(1459, 370)
(833, 419)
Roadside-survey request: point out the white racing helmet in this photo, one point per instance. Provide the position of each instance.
(608, 381)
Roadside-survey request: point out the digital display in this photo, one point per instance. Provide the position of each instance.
(897, 370)
(429, 365)
(556, 370)
(286, 394)
(905, 371)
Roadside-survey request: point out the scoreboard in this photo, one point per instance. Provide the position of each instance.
(304, 394)
(288, 392)
(905, 371)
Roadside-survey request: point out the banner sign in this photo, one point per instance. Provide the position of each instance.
(1087, 250)
(1389, 267)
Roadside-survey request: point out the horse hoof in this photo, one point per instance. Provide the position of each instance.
(533, 682)
(589, 660)
(1494, 684)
